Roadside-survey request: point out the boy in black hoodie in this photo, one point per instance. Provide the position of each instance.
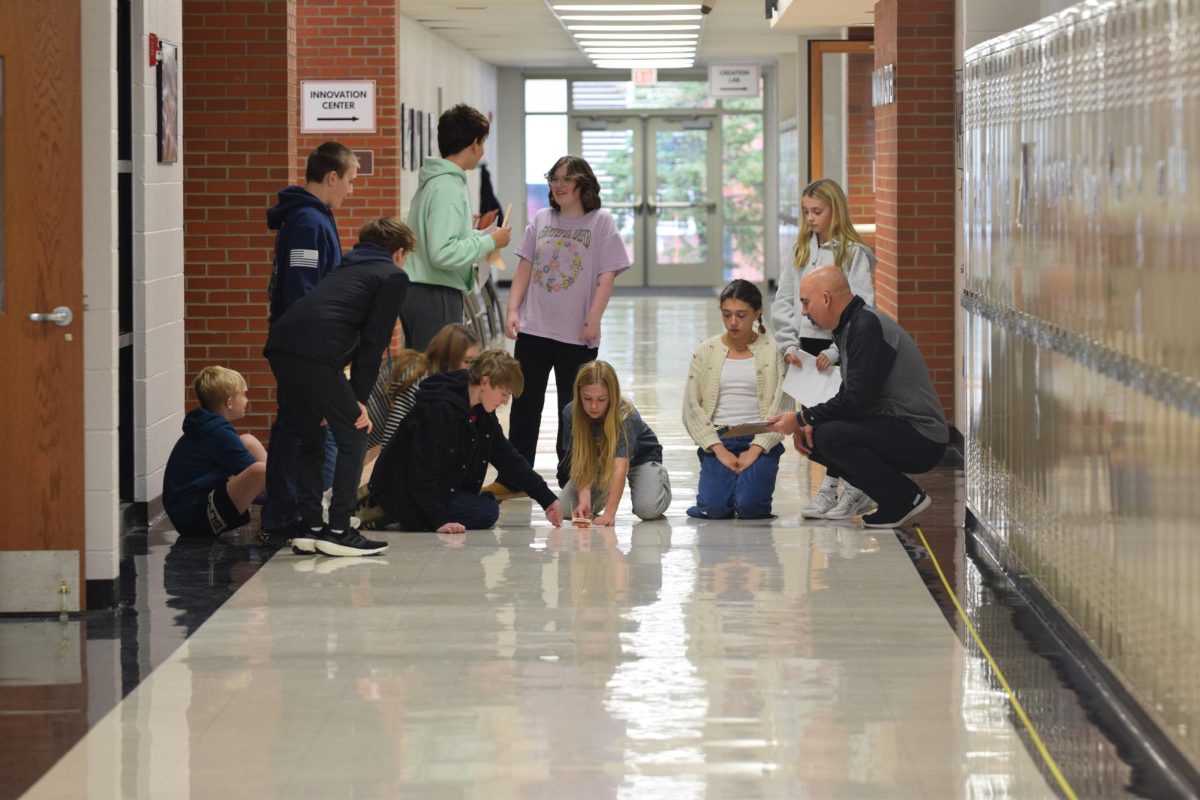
(213, 474)
(429, 476)
(347, 318)
(307, 248)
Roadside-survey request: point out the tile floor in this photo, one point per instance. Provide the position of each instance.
(670, 659)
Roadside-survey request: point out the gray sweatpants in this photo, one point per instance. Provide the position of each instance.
(428, 308)
(649, 488)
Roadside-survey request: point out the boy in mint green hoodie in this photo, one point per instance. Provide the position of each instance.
(440, 216)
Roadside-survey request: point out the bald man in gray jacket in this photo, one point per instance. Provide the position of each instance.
(885, 420)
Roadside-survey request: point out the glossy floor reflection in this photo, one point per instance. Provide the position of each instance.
(670, 659)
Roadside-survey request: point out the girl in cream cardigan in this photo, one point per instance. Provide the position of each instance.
(735, 378)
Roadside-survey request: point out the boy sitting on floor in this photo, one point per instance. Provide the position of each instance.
(213, 474)
(429, 476)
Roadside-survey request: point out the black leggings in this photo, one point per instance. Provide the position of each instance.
(538, 355)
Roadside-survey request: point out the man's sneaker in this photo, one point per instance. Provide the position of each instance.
(501, 492)
(306, 543)
(853, 502)
(347, 543)
(282, 537)
(820, 505)
(894, 518)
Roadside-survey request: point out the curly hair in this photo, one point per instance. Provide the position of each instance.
(579, 171)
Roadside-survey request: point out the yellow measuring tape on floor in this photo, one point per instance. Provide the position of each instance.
(1012, 698)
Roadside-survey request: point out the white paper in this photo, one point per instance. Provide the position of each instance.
(810, 385)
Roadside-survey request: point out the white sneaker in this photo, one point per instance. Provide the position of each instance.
(854, 502)
(820, 505)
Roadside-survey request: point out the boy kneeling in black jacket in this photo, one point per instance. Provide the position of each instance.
(429, 476)
(347, 318)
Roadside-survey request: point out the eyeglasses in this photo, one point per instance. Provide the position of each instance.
(550, 179)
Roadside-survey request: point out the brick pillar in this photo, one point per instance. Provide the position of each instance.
(914, 198)
(240, 117)
(242, 143)
(356, 40)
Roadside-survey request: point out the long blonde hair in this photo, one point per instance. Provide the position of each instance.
(591, 455)
(841, 229)
(444, 353)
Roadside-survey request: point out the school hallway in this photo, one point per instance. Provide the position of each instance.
(669, 659)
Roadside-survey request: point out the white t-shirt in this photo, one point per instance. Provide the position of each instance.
(737, 402)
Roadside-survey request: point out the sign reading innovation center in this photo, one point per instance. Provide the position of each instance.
(337, 106)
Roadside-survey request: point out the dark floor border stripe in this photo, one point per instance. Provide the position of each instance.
(1144, 739)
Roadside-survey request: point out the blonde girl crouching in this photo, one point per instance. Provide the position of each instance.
(607, 442)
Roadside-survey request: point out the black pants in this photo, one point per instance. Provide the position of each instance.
(538, 355)
(309, 392)
(873, 454)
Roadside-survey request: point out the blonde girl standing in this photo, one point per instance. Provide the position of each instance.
(827, 236)
(608, 442)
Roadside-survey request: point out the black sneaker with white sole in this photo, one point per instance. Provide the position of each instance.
(347, 543)
(282, 537)
(895, 517)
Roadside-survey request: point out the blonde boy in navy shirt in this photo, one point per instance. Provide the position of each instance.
(214, 474)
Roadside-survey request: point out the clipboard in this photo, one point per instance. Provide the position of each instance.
(744, 429)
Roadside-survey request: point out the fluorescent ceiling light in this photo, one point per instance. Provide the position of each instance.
(630, 17)
(630, 7)
(660, 64)
(641, 54)
(638, 48)
(588, 37)
(633, 27)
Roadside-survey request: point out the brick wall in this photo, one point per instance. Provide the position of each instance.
(240, 118)
(245, 61)
(356, 40)
(914, 199)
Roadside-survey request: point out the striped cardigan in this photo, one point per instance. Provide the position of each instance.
(704, 386)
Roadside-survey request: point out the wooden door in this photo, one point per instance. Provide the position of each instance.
(41, 247)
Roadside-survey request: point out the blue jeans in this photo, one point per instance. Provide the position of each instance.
(747, 495)
(282, 508)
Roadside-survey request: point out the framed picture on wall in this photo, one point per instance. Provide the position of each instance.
(403, 152)
(412, 139)
(420, 142)
(168, 104)
(429, 130)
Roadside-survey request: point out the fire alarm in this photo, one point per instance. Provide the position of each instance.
(155, 50)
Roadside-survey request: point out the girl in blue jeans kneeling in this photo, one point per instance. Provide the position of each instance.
(735, 378)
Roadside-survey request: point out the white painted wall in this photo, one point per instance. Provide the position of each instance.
(430, 65)
(158, 274)
(158, 332)
(100, 299)
(509, 154)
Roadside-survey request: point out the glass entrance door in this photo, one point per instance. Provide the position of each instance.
(683, 215)
(659, 177)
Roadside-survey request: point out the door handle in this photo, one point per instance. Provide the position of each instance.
(60, 316)
(710, 207)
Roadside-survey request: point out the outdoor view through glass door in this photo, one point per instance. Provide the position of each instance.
(660, 179)
(680, 171)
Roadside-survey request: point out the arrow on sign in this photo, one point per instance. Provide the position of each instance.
(337, 119)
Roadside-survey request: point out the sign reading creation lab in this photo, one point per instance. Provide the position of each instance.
(733, 80)
(337, 106)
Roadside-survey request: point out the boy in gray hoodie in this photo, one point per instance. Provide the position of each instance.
(440, 217)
